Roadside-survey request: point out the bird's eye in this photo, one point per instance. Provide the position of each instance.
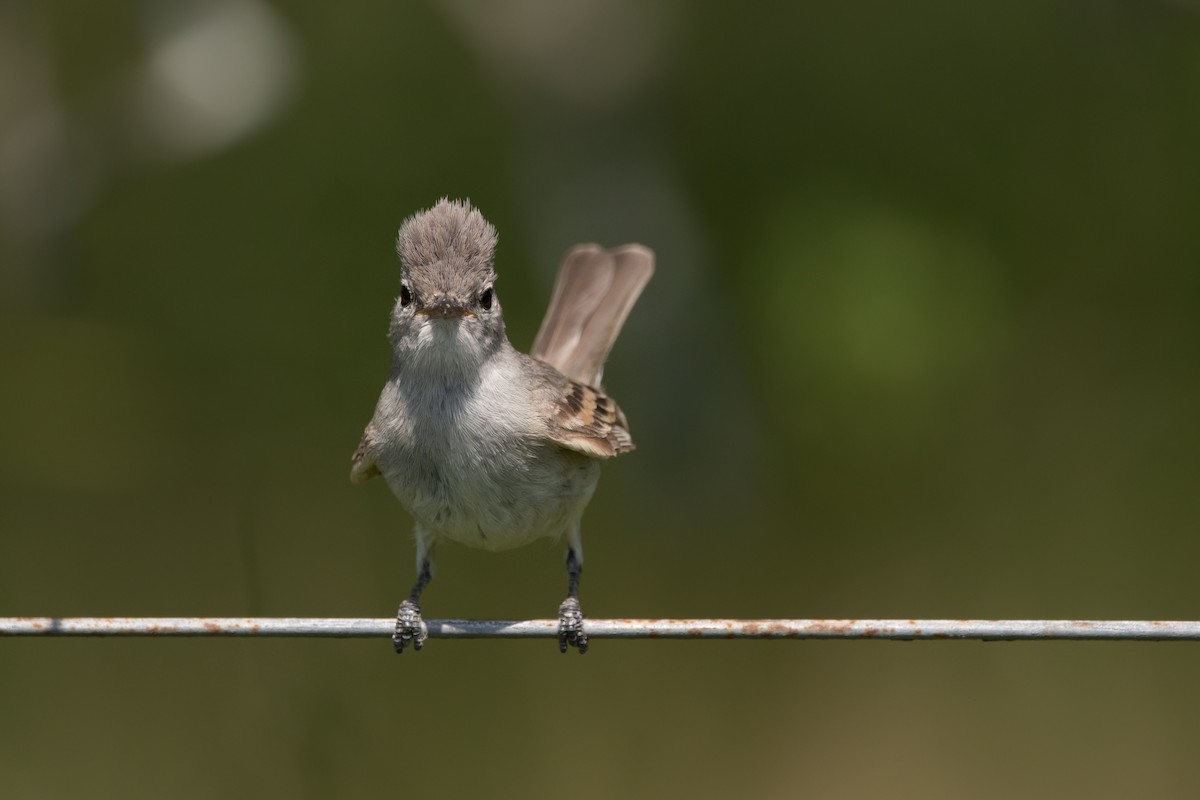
(485, 299)
(405, 295)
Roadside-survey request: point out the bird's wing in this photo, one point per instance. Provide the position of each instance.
(362, 463)
(595, 290)
(588, 421)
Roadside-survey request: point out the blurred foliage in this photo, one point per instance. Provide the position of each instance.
(924, 341)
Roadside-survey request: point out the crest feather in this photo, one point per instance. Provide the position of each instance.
(452, 232)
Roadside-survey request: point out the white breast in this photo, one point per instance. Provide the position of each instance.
(471, 464)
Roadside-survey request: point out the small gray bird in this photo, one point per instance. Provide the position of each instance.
(484, 445)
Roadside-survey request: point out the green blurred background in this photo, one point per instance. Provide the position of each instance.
(923, 342)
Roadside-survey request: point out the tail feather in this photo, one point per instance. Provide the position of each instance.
(595, 291)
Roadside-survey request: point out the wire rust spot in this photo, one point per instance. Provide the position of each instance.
(778, 629)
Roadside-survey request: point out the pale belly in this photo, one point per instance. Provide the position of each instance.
(496, 503)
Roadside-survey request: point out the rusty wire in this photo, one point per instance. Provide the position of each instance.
(306, 627)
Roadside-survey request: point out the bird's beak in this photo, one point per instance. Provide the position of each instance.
(445, 308)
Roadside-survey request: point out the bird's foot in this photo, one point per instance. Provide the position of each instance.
(570, 626)
(410, 628)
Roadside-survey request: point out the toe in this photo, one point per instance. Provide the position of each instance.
(570, 626)
(410, 628)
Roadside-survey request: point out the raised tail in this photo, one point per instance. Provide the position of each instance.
(595, 290)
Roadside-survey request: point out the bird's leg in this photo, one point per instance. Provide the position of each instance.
(410, 628)
(570, 618)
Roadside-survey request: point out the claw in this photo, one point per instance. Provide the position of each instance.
(409, 627)
(570, 626)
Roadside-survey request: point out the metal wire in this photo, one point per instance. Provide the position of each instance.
(306, 627)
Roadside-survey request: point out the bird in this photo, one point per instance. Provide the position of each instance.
(484, 445)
